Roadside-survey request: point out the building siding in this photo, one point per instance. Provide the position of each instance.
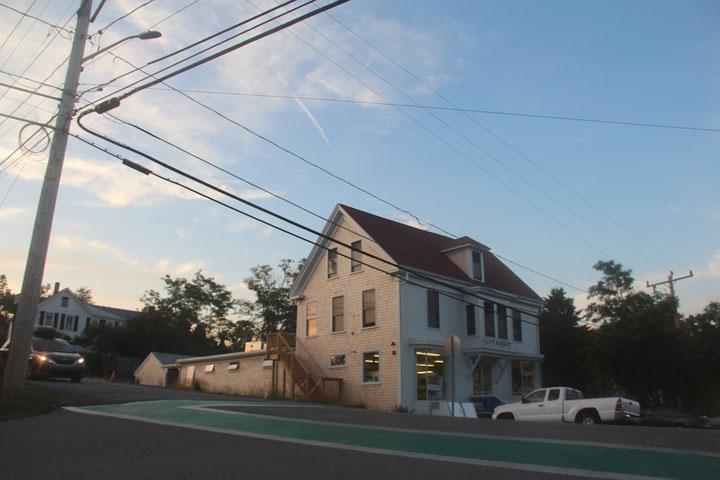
(315, 351)
(251, 379)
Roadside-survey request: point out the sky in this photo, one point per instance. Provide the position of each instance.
(424, 112)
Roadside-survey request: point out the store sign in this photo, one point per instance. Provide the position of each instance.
(495, 342)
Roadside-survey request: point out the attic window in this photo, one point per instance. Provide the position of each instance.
(64, 302)
(332, 263)
(356, 256)
(477, 266)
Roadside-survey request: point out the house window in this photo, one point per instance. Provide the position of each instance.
(338, 360)
(517, 326)
(368, 308)
(470, 319)
(430, 379)
(356, 256)
(338, 314)
(489, 319)
(523, 377)
(234, 366)
(433, 309)
(75, 323)
(48, 319)
(311, 319)
(56, 319)
(502, 322)
(477, 265)
(371, 367)
(41, 317)
(64, 301)
(210, 368)
(332, 263)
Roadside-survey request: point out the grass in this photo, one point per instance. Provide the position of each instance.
(33, 401)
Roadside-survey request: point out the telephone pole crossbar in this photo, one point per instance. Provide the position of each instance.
(671, 283)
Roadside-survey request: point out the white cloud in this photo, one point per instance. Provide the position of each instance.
(8, 213)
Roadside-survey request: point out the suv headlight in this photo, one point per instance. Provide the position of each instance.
(80, 361)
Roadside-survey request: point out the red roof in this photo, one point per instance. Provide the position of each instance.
(420, 249)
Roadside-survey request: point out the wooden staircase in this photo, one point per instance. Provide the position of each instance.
(282, 347)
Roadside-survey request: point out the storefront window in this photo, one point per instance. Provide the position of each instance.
(430, 378)
(523, 376)
(482, 377)
(371, 367)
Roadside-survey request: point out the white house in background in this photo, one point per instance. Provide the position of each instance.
(66, 313)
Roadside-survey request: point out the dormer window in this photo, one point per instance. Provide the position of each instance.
(477, 266)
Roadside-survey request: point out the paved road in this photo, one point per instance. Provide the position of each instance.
(262, 439)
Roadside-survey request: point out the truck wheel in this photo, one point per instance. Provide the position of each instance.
(588, 418)
(506, 416)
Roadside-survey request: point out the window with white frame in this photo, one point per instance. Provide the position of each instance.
(356, 256)
(433, 309)
(210, 368)
(371, 367)
(368, 308)
(64, 301)
(477, 265)
(489, 309)
(234, 366)
(517, 326)
(311, 319)
(338, 360)
(332, 263)
(502, 322)
(338, 314)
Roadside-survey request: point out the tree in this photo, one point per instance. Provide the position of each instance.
(272, 307)
(84, 294)
(7, 307)
(563, 341)
(193, 317)
(701, 337)
(637, 349)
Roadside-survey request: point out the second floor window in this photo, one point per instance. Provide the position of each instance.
(332, 263)
(470, 319)
(311, 319)
(517, 326)
(338, 314)
(477, 265)
(502, 322)
(489, 319)
(368, 308)
(356, 256)
(433, 309)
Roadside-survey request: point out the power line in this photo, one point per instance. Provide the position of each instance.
(399, 268)
(25, 14)
(103, 30)
(452, 109)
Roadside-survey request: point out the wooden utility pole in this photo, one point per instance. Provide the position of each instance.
(671, 283)
(17, 362)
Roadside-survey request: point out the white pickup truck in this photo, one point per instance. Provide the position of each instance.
(565, 404)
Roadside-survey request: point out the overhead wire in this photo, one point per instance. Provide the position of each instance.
(406, 271)
(153, 75)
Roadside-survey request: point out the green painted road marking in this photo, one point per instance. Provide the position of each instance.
(561, 457)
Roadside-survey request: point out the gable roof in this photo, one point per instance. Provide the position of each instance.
(97, 311)
(168, 358)
(420, 249)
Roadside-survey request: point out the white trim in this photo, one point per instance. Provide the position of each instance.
(362, 368)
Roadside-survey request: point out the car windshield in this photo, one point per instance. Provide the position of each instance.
(51, 345)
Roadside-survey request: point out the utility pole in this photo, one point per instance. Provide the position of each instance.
(17, 363)
(671, 282)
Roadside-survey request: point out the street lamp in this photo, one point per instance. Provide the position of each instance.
(149, 35)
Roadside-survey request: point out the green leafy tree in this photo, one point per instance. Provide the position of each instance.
(563, 341)
(84, 294)
(193, 317)
(637, 350)
(272, 307)
(7, 307)
(702, 345)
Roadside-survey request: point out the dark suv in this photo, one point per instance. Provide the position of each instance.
(51, 357)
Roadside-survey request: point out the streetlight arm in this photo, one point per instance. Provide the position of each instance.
(142, 36)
